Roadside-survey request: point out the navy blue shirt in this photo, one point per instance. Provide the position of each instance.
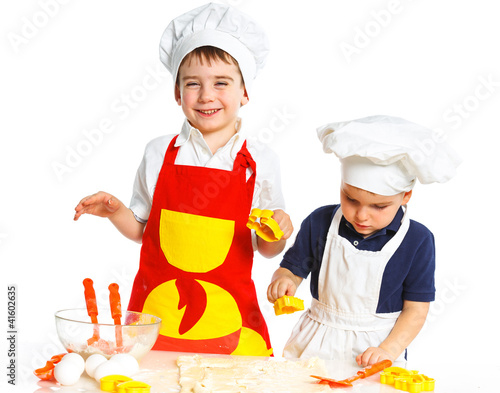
(409, 274)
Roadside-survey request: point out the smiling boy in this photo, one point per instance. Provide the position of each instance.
(210, 90)
(194, 191)
(372, 268)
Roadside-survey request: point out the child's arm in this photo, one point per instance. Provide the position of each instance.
(103, 204)
(284, 282)
(271, 249)
(408, 325)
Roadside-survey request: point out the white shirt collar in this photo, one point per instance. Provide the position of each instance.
(235, 143)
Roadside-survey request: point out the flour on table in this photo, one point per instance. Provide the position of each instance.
(207, 374)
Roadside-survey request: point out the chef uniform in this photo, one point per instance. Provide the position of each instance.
(197, 253)
(384, 155)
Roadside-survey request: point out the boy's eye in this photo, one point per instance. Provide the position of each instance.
(220, 83)
(191, 84)
(380, 207)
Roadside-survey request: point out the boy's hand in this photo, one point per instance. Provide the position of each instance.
(271, 249)
(106, 205)
(284, 222)
(100, 204)
(284, 282)
(373, 355)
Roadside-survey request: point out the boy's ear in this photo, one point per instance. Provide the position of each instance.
(245, 98)
(177, 94)
(406, 197)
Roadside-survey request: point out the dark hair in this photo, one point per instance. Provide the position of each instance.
(209, 54)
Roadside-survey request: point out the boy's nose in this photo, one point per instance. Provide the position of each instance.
(206, 95)
(362, 214)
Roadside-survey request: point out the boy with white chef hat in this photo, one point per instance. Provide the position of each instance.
(195, 191)
(372, 268)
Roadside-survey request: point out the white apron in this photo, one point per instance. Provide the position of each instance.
(343, 323)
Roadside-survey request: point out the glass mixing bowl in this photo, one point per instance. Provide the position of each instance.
(136, 335)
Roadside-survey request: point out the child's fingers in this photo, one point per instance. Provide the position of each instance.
(100, 204)
(273, 291)
(291, 290)
(284, 222)
(280, 288)
(371, 356)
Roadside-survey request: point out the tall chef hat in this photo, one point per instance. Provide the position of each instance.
(385, 155)
(220, 26)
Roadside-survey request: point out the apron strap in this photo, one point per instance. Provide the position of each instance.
(243, 161)
(171, 153)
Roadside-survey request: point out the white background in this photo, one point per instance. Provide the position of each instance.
(70, 67)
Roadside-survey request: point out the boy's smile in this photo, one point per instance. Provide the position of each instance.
(211, 95)
(368, 212)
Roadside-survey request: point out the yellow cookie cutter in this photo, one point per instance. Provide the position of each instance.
(265, 221)
(407, 380)
(109, 382)
(133, 387)
(123, 384)
(288, 305)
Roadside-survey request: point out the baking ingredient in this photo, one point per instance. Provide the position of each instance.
(109, 367)
(69, 370)
(248, 374)
(93, 361)
(128, 362)
(75, 358)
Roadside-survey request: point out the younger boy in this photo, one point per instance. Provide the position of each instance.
(372, 269)
(195, 191)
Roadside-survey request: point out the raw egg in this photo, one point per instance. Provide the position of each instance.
(67, 372)
(75, 358)
(93, 361)
(128, 362)
(108, 368)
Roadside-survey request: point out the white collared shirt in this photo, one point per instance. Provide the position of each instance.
(194, 151)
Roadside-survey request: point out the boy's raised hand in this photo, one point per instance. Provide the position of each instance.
(106, 205)
(100, 204)
(284, 222)
(271, 249)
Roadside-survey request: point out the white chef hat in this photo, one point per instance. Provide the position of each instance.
(385, 154)
(217, 25)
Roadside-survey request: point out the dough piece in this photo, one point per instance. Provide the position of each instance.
(207, 374)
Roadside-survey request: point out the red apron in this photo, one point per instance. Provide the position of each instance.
(196, 260)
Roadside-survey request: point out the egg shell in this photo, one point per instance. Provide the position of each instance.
(67, 372)
(108, 368)
(75, 358)
(129, 363)
(93, 361)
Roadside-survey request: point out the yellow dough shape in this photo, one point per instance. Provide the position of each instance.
(288, 305)
(221, 307)
(195, 243)
(265, 221)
